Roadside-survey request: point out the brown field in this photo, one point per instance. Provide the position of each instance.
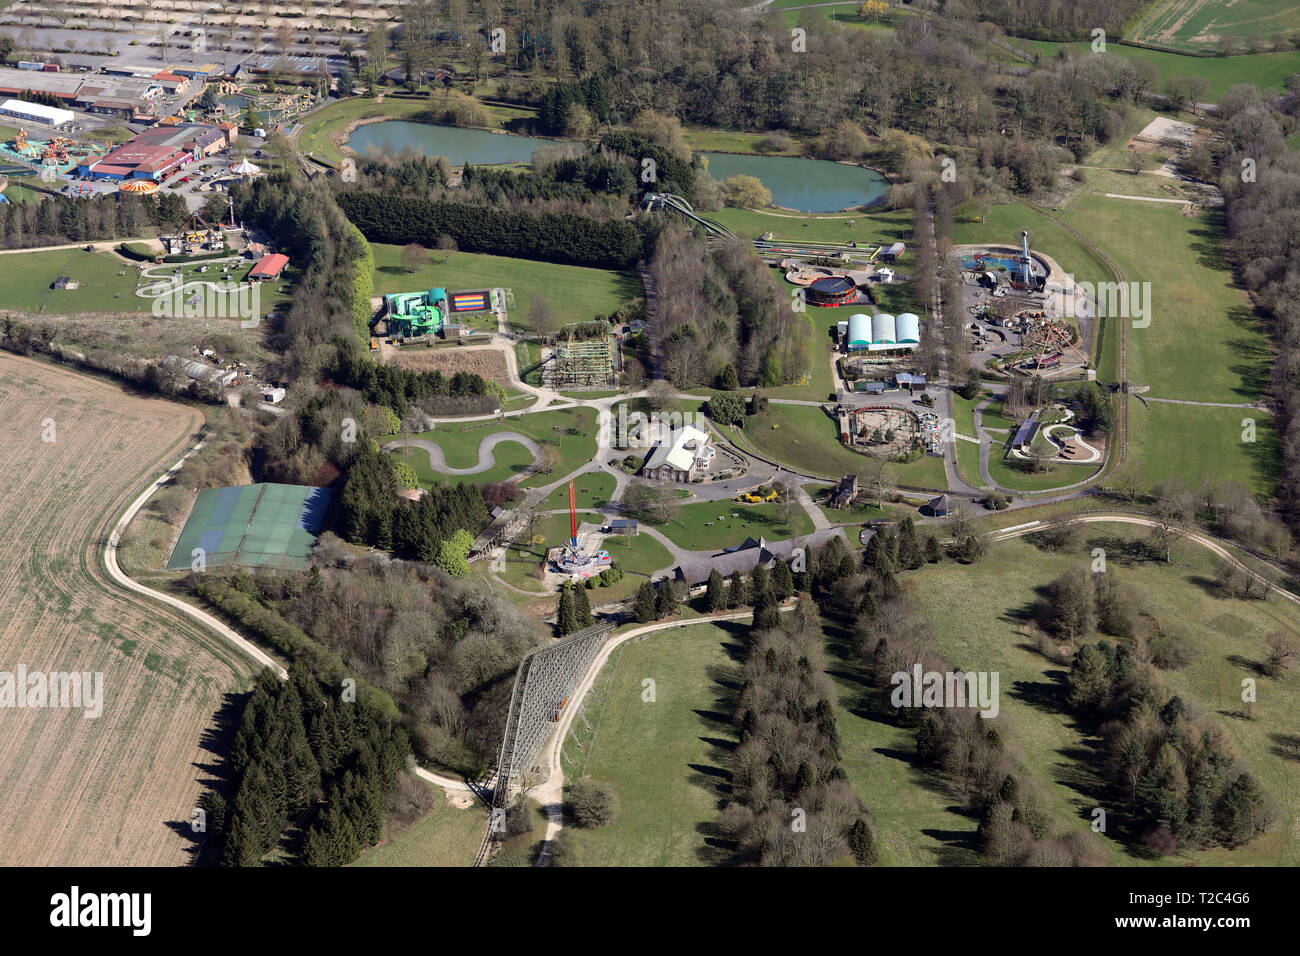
(118, 789)
(490, 363)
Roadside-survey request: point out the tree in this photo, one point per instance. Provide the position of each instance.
(347, 83)
(541, 315)
(414, 255)
(715, 594)
(581, 609)
(862, 843)
(665, 599)
(737, 595)
(932, 552)
(592, 803)
(446, 245)
(782, 580)
(566, 619)
(452, 554)
(747, 192)
(1282, 650)
(643, 608)
(727, 408)
(1072, 603)
(728, 380)
(1174, 509)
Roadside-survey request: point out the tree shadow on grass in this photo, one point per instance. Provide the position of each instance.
(1246, 664)
(1286, 746)
(217, 738)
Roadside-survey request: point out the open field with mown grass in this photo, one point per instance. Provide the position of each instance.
(1187, 443)
(668, 760)
(1265, 70)
(116, 790)
(446, 836)
(689, 528)
(571, 433)
(978, 612)
(577, 293)
(1203, 342)
(29, 277)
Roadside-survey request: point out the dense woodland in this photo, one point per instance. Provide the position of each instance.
(310, 772)
(62, 219)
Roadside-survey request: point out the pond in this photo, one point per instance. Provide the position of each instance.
(460, 146)
(809, 185)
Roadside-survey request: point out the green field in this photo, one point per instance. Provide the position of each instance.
(667, 760)
(29, 275)
(1203, 342)
(804, 438)
(976, 612)
(576, 293)
(1195, 25)
(1189, 443)
(1265, 70)
(590, 490)
(460, 445)
(864, 228)
(690, 527)
(446, 836)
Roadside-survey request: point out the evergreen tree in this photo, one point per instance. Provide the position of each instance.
(782, 580)
(566, 617)
(737, 595)
(665, 600)
(581, 609)
(932, 552)
(909, 550)
(862, 843)
(715, 594)
(643, 609)
(760, 584)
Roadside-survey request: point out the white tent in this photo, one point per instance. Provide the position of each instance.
(245, 168)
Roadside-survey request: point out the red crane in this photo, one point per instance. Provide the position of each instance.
(573, 518)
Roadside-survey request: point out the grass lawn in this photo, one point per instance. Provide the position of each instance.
(865, 228)
(29, 275)
(1265, 70)
(18, 191)
(976, 612)
(690, 529)
(1203, 342)
(511, 459)
(1009, 476)
(667, 761)
(460, 444)
(805, 439)
(1190, 443)
(317, 136)
(637, 554)
(732, 141)
(858, 513)
(591, 490)
(445, 837)
(577, 293)
(917, 822)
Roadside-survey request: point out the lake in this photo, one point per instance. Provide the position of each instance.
(809, 185)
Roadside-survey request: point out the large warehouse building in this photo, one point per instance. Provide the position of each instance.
(882, 332)
(36, 113)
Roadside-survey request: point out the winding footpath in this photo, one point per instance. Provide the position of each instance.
(486, 456)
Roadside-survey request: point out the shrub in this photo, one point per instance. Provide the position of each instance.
(592, 803)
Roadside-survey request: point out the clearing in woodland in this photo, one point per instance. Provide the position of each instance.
(118, 789)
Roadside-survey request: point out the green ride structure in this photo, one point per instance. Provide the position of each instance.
(412, 314)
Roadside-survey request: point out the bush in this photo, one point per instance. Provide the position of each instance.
(592, 803)
(1171, 648)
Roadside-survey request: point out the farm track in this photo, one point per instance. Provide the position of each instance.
(117, 789)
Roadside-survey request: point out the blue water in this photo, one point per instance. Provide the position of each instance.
(808, 185)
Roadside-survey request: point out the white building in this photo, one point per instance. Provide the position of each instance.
(681, 456)
(36, 112)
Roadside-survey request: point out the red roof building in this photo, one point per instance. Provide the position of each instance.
(269, 267)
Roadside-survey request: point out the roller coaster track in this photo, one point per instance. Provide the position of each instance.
(659, 200)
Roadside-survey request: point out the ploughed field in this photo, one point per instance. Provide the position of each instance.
(118, 789)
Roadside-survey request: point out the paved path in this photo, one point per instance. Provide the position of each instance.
(1179, 202)
(486, 456)
(203, 617)
(1257, 406)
